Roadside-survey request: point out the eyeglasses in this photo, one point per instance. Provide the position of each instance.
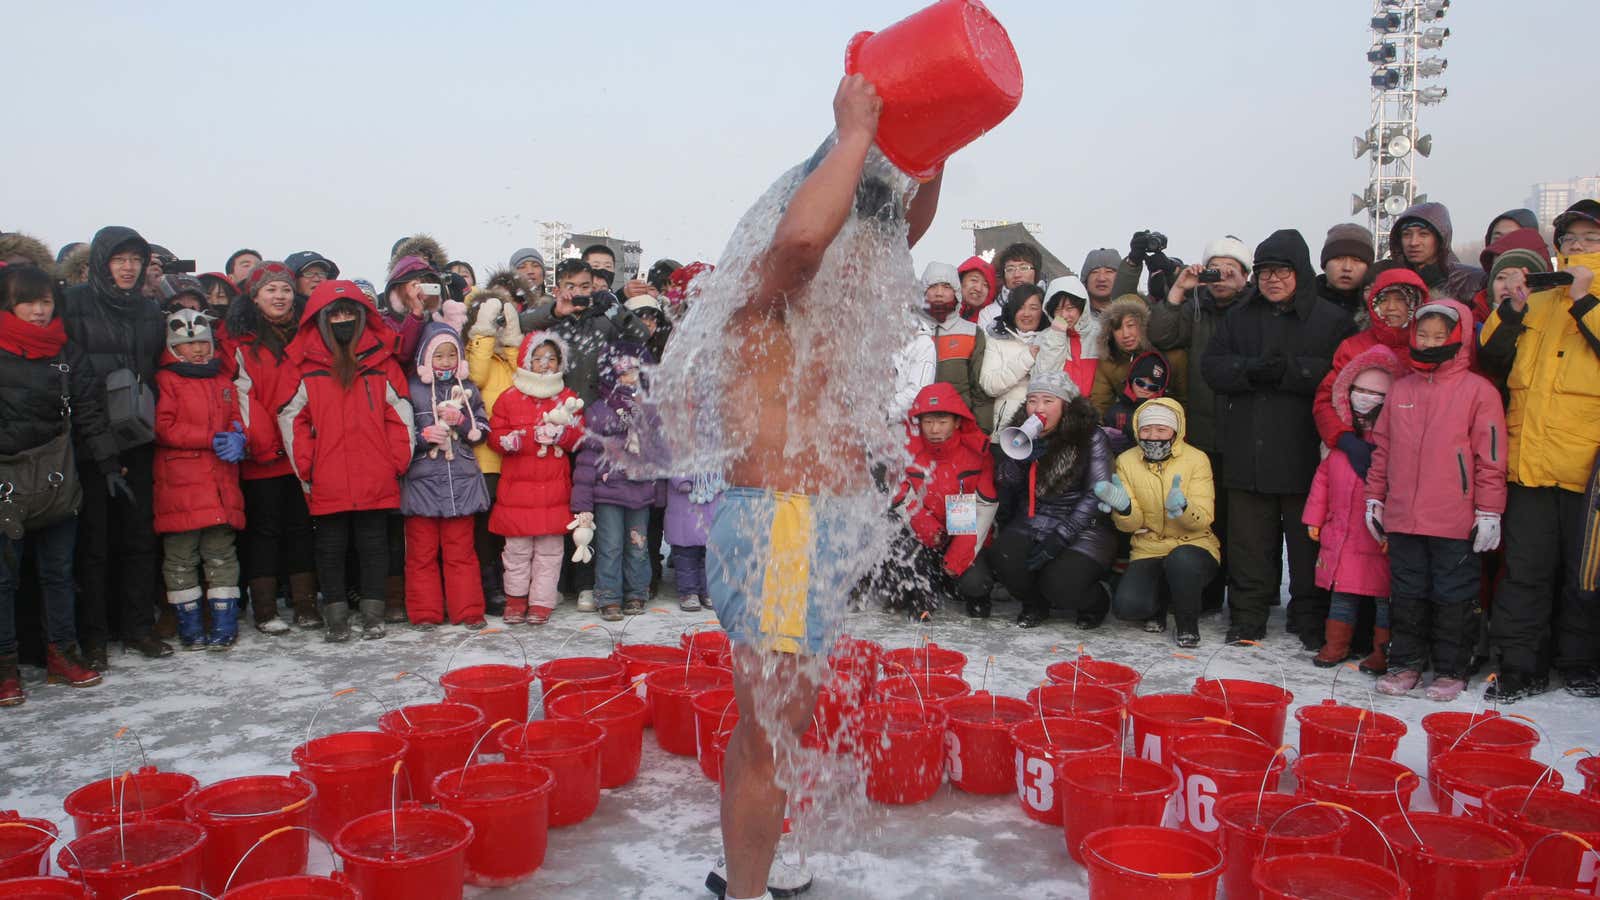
(1572, 241)
(1274, 273)
(1017, 268)
(1145, 384)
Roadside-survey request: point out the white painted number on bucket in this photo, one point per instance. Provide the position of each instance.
(1200, 795)
(638, 685)
(1151, 748)
(1036, 782)
(1589, 872)
(952, 746)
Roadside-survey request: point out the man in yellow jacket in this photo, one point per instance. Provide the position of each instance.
(1547, 344)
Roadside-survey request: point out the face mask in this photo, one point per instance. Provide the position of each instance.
(1433, 357)
(343, 332)
(1365, 404)
(1156, 451)
(444, 376)
(605, 276)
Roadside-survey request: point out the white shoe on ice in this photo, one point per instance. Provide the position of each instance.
(783, 879)
(586, 601)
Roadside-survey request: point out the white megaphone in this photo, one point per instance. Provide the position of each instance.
(1017, 443)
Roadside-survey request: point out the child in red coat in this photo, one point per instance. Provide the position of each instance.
(536, 424)
(198, 504)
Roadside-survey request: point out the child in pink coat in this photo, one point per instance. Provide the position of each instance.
(1351, 564)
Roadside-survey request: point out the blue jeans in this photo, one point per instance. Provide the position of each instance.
(1345, 607)
(689, 570)
(621, 564)
(52, 550)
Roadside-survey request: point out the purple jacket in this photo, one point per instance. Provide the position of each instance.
(435, 487)
(597, 478)
(688, 524)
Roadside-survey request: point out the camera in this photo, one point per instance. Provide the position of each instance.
(1155, 242)
(1210, 276)
(431, 289)
(1543, 281)
(176, 266)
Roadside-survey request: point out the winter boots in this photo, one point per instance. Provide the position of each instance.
(374, 613)
(264, 606)
(393, 609)
(516, 611)
(224, 623)
(64, 664)
(1336, 637)
(11, 693)
(303, 591)
(191, 629)
(1377, 662)
(337, 617)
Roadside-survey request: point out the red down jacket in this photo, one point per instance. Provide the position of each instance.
(194, 488)
(961, 464)
(265, 382)
(349, 446)
(534, 496)
(1379, 334)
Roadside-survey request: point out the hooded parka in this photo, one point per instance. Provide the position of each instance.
(1147, 483)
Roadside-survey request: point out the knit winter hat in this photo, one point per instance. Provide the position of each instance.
(1228, 247)
(525, 254)
(266, 272)
(941, 273)
(1057, 384)
(1152, 368)
(1155, 414)
(186, 326)
(435, 337)
(1348, 239)
(1104, 258)
(1518, 258)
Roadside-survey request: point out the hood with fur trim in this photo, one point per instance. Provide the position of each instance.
(18, 247)
(74, 266)
(421, 245)
(433, 335)
(1119, 309)
(1387, 334)
(516, 286)
(535, 385)
(1377, 356)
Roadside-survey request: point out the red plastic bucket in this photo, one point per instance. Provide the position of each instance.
(439, 735)
(1321, 876)
(42, 888)
(1098, 672)
(1043, 748)
(1095, 796)
(238, 812)
(406, 854)
(570, 749)
(1461, 778)
(1160, 719)
(353, 772)
(1259, 707)
(158, 852)
(1330, 727)
(622, 716)
(1535, 892)
(710, 648)
(1560, 861)
(715, 713)
(1589, 768)
(1370, 786)
(295, 887)
(933, 690)
(1456, 857)
(1081, 701)
(978, 742)
(903, 749)
(508, 805)
(22, 849)
(854, 665)
(499, 691)
(639, 660)
(946, 74)
(579, 673)
(1211, 766)
(1141, 861)
(146, 794)
(671, 691)
(1247, 817)
(930, 658)
(1491, 733)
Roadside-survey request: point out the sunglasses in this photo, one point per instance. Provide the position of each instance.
(1145, 384)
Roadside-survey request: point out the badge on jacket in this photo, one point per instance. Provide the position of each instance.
(961, 514)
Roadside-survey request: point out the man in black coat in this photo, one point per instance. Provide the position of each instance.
(1264, 363)
(118, 556)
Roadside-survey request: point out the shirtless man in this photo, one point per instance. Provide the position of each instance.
(771, 546)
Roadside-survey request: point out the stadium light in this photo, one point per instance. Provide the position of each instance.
(1388, 23)
(1434, 9)
(1432, 67)
(1432, 94)
(1433, 38)
(1425, 145)
(1386, 79)
(1382, 53)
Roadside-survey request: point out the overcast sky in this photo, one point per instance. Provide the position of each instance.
(341, 126)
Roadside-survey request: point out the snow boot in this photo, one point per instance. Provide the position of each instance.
(224, 631)
(337, 617)
(11, 693)
(1336, 637)
(516, 611)
(394, 602)
(64, 665)
(373, 614)
(264, 606)
(191, 630)
(1399, 682)
(1377, 662)
(303, 592)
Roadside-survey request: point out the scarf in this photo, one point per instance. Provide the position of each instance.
(31, 341)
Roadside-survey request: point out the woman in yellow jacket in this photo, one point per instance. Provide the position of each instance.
(1163, 495)
(492, 337)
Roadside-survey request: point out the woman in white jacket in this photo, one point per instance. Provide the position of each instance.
(1021, 345)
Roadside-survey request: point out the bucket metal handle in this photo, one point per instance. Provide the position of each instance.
(54, 839)
(1329, 804)
(164, 888)
(1157, 661)
(1232, 724)
(111, 779)
(1262, 793)
(473, 753)
(911, 677)
(1333, 686)
(288, 808)
(1522, 870)
(1162, 876)
(1283, 676)
(269, 836)
(427, 681)
(623, 631)
(576, 632)
(449, 663)
(122, 731)
(343, 692)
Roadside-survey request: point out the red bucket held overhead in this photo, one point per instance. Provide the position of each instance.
(1320, 876)
(239, 812)
(1246, 819)
(930, 658)
(120, 861)
(570, 749)
(410, 853)
(353, 772)
(146, 794)
(439, 735)
(1455, 858)
(1103, 790)
(1259, 707)
(1043, 748)
(671, 693)
(23, 848)
(622, 716)
(1160, 719)
(1140, 861)
(1372, 786)
(508, 805)
(639, 660)
(1081, 701)
(946, 74)
(1099, 672)
(978, 742)
(1534, 816)
(42, 888)
(295, 887)
(903, 749)
(1211, 766)
(715, 713)
(1462, 778)
(1331, 727)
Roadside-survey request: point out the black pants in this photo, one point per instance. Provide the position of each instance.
(656, 533)
(1180, 576)
(1433, 603)
(1543, 530)
(1216, 590)
(489, 544)
(277, 535)
(1259, 525)
(118, 554)
(1069, 581)
(367, 534)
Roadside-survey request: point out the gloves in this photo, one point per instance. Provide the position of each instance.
(547, 433)
(116, 484)
(449, 415)
(582, 528)
(1043, 551)
(601, 302)
(511, 443)
(483, 324)
(1176, 501)
(1113, 496)
(438, 435)
(1486, 532)
(1356, 450)
(510, 334)
(229, 445)
(1139, 246)
(1266, 372)
(1375, 521)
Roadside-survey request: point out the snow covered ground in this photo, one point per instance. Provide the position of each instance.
(218, 716)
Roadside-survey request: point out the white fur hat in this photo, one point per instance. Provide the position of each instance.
(1228, 247)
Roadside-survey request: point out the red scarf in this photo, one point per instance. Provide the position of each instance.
(31, 341)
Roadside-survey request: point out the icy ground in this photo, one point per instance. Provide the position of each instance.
(219, 716)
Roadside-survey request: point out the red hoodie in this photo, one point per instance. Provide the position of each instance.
(976, 264)
(962, 464)
(1379, 333)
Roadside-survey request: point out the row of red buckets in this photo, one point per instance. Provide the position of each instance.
(1057, 743)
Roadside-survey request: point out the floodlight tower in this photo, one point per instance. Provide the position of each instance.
(1404, 29)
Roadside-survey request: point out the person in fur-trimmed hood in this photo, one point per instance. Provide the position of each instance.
(16, 247)
(1392, 301)
(1124, 332)
(423, 246)
(444, 489)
